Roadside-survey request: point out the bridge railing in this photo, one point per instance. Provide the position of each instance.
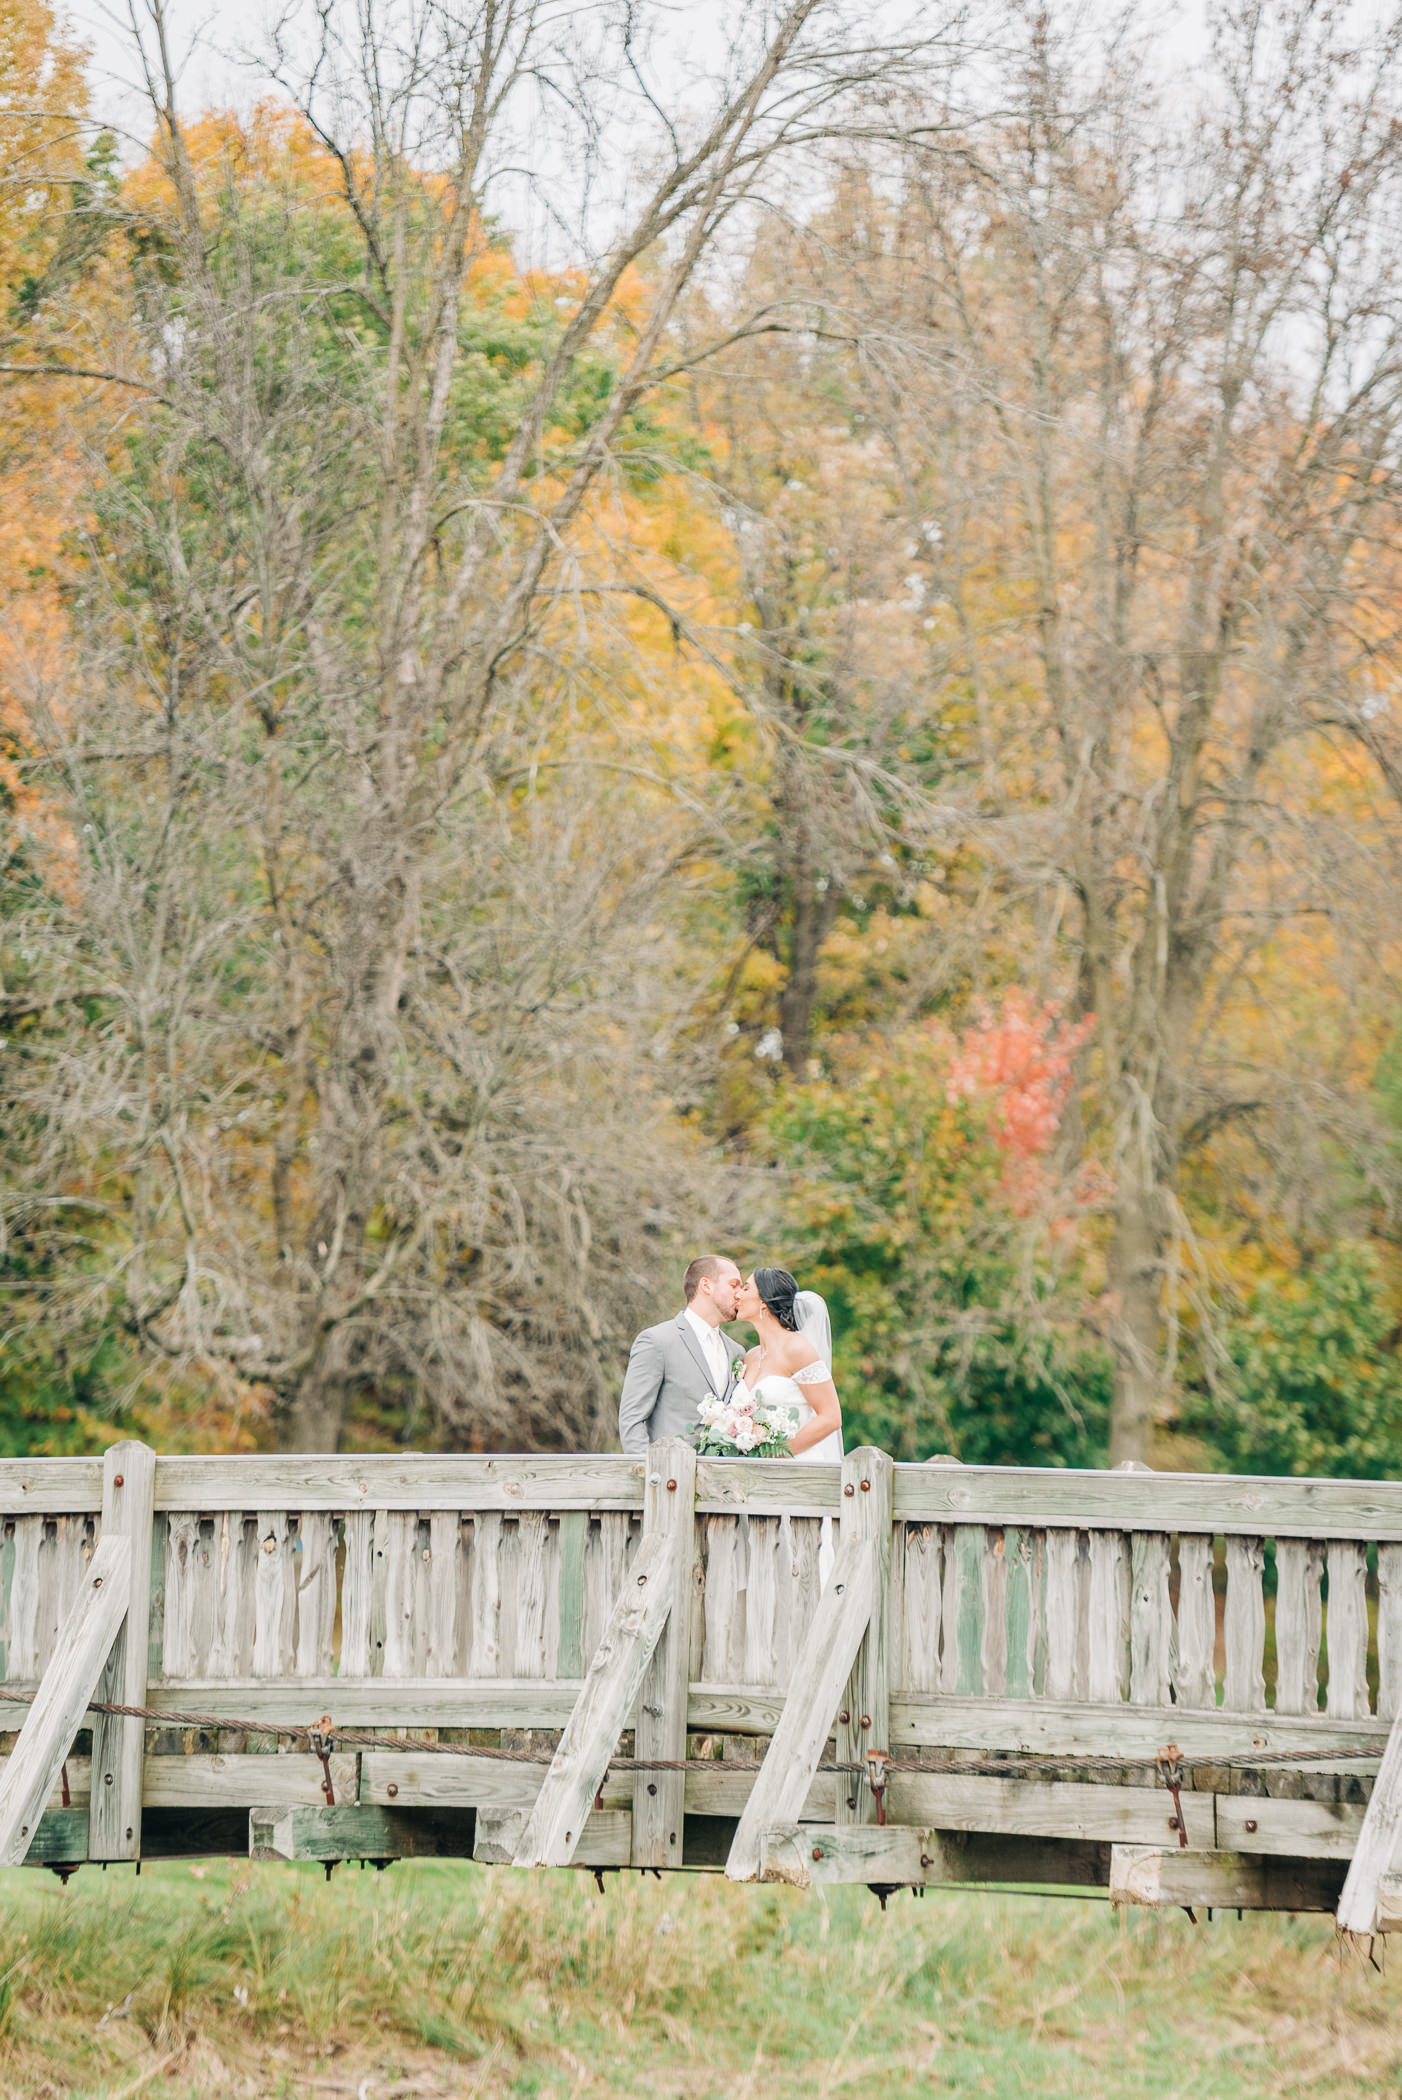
(1020, 1611)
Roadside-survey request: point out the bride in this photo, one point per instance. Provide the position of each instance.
(792, 1366)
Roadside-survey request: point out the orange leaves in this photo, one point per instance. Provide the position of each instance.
(1017, 1063)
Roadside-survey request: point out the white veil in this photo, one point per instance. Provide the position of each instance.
(811, 1312)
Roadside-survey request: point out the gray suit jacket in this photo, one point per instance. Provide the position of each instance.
(666, 1382)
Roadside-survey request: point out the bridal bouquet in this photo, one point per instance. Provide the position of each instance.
(741, 1427)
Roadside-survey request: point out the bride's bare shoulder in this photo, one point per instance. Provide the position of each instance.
(798, 1353)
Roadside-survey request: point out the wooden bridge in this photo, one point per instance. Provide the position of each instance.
(1180, 1689)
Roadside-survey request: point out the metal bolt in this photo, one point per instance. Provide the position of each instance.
(98, 1581)
(107, 1779)
(1251, 1826)
(924, 1859)
(851, 1800)
(392, 1790)
(129, 1834)
(642, 1582)
(119, 1480)
(866, 1487)
(654, 1480)
(671, 1487)
(848, 1489)
(817, 1852)
(652, 1786)
(866, 1720)
(838, 1588)
(569, 1837)
(844, 1717)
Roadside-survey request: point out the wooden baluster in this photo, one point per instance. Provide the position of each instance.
(24, 1665)
(182, 1544)
(1347, 1630)
(316, 1595)
(1022, 1614)
(1150, 1619)
(760, 1664)
(269, 1583)
(723, 1652)
(574, 1538)
(397, 1535)
(1244, 1627)
(227, 1656)
(1299, 1563)
(1108, 1617)
(1195, 1679)
(993, 1645)
(532, 1540)
(484, 1659)
(1063, 1598)
(806, 1537)
(961, 1671)
(444, 1575)
(1389, 1632)
(919, 1651)
(357, 1586)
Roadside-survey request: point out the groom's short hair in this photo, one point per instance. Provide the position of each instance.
(697, 1271)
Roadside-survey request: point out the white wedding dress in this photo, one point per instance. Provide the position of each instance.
(776, 1390)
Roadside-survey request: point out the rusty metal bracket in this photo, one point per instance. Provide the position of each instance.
(878, 1770)
(323, 1741)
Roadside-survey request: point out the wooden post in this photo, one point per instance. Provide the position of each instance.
(69, 1680)
(868, 1478)
(114, 1817)
(601, 1711)
(823, 1668)
(669, 1511)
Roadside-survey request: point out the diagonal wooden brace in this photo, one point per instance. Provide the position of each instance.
(1377, 1842)
(603, 1708)
(824, 1664)
(80, 1656)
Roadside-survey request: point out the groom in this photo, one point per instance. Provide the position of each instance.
(676, 1365)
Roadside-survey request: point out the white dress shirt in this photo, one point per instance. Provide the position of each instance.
(712, 1348)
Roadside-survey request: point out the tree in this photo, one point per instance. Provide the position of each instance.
(1141, 387)
(368, 1072)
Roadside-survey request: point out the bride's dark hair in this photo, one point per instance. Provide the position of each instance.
(778, 1290)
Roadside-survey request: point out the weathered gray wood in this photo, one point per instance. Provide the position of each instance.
(532, 1540)
(354, 1832)
(961, 1671)
(485, 1654)
(723, 1652)
(1389, 1632)
(69, 1681)
(1297, 1829)
(600, 1713)
(1108, 1616)
(766, 1602)
(397, 1533)
(204, 1780)
(1347, 1631)
(919, 1669)
(1050, 1808)
(822, 1669)
(182, 1543)
(22, 1619)
(357, 1590)
(606, 1840)
(459, 1779)
(1375, 1853)
(574, 1535)
(817, 1854)
(316, 1595)
(1023, 1553)
(1173, 1880)
(1195, 1674)
(233, 1571)
(203, 1571)
(1299, 1564)
(1172, 1502)
(1062, 1549)
(444, 1582)
(47, 1487)
(659, 1803)
(993, 1646)
(114, 1824)
(866, 1515)
(805, 1537)
(1150, 1620)
(270, 1575)
(1244, 1627)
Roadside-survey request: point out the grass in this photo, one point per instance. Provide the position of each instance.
(231, 1979)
